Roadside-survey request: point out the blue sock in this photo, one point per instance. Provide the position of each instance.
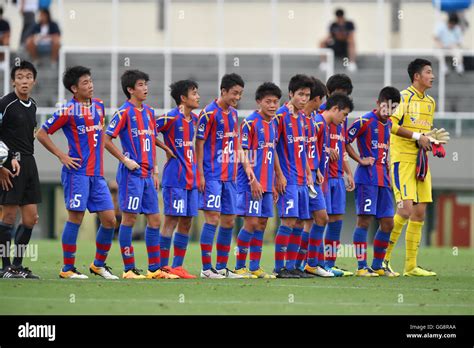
(243, 244)
(152, 241)
(207, 239)
(315, 254)
(224, 238)
(303, 252)
(103, 243)
(69, 239)
(281, 244)
(293, 248)
(256, 250)
(180, 244)
(332, 240)
(126, 248)
(165, 245)
(360, 244)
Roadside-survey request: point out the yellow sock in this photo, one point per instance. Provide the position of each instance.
(412, 243)
(398, 223)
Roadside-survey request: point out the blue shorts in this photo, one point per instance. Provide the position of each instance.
(82, 191)
(246, 206)
(137, 195)
(180, 202)
(336, 196)
(374, 200)
(318, 203)
(294, 202)
(219, 196)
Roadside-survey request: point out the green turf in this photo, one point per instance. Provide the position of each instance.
(451, 292)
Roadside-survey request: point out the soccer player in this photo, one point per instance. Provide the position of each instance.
(337, 107)
(373, 194)
(180, 179)
(137, 175)
(292, 174)
(338, 165)
(82, 121)
(255, 200)
(412, 192)
(314, 139)
(216, 146)
(20, 187)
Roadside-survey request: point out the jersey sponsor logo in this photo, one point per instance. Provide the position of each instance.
(377, 145)
(181, 143)
(81, 129)
(338, 137)
(113, 124)
(136, 132)
(202, 127)
(245, 137)
(353, 131)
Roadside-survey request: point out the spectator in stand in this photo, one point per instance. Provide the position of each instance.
(28, 9)
(4, 34)
(449, 36)
(44, 38)
(341, 40)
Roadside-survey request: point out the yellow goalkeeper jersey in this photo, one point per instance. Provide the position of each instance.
(415, 112)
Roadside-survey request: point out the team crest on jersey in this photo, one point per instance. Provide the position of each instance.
(81, 129)
(262, 130)
(376, 130)
(221, 121)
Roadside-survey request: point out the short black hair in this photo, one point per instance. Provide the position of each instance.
(46, 12)
(182, 88)
(319, 89)
(453, 18)
(130, 78)
(340, 100)
(1, 10)
(416, 66)
(389, 93)
(72, 75)
(24, 65)
(230, 80)
(339, 12)
(267, 89)
(339, 81)
(299, 81)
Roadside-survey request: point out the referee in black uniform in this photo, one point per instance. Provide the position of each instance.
(19, 180)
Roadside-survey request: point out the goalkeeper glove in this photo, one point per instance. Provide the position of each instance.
(438, 136)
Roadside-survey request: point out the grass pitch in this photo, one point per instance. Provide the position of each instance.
(451, 292)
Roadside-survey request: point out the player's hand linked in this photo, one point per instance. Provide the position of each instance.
(70, 162)
(367, 161)
(333, 155)
(5, 179)
(15, 167)
(130, 164)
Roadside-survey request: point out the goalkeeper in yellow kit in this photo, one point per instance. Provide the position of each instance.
(412, 136)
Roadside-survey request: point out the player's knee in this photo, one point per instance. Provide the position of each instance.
(262, 224)
(322, 218)
(227, 221)
(185, 224)
(154, 221)
(387, 226)
(212, 217)
(363, 221)
(8, 218)
(129, 219)
(109, 222)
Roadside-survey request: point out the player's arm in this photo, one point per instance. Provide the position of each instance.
(200, 161)
(347, 169)
(309, 175)
(45, 140)
(280, 180)
(246, 134)
(355, 131)
(166, 149)
(5, 173)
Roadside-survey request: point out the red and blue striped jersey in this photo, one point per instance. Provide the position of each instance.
(137, 131)
(258, 136)
(83, 127)
(311, 130)
(291, 145)
(373, 140)
(322, 144)
(219, 130)
(337, 135)
(178, 133)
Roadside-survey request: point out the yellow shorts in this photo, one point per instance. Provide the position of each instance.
(406, 186)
